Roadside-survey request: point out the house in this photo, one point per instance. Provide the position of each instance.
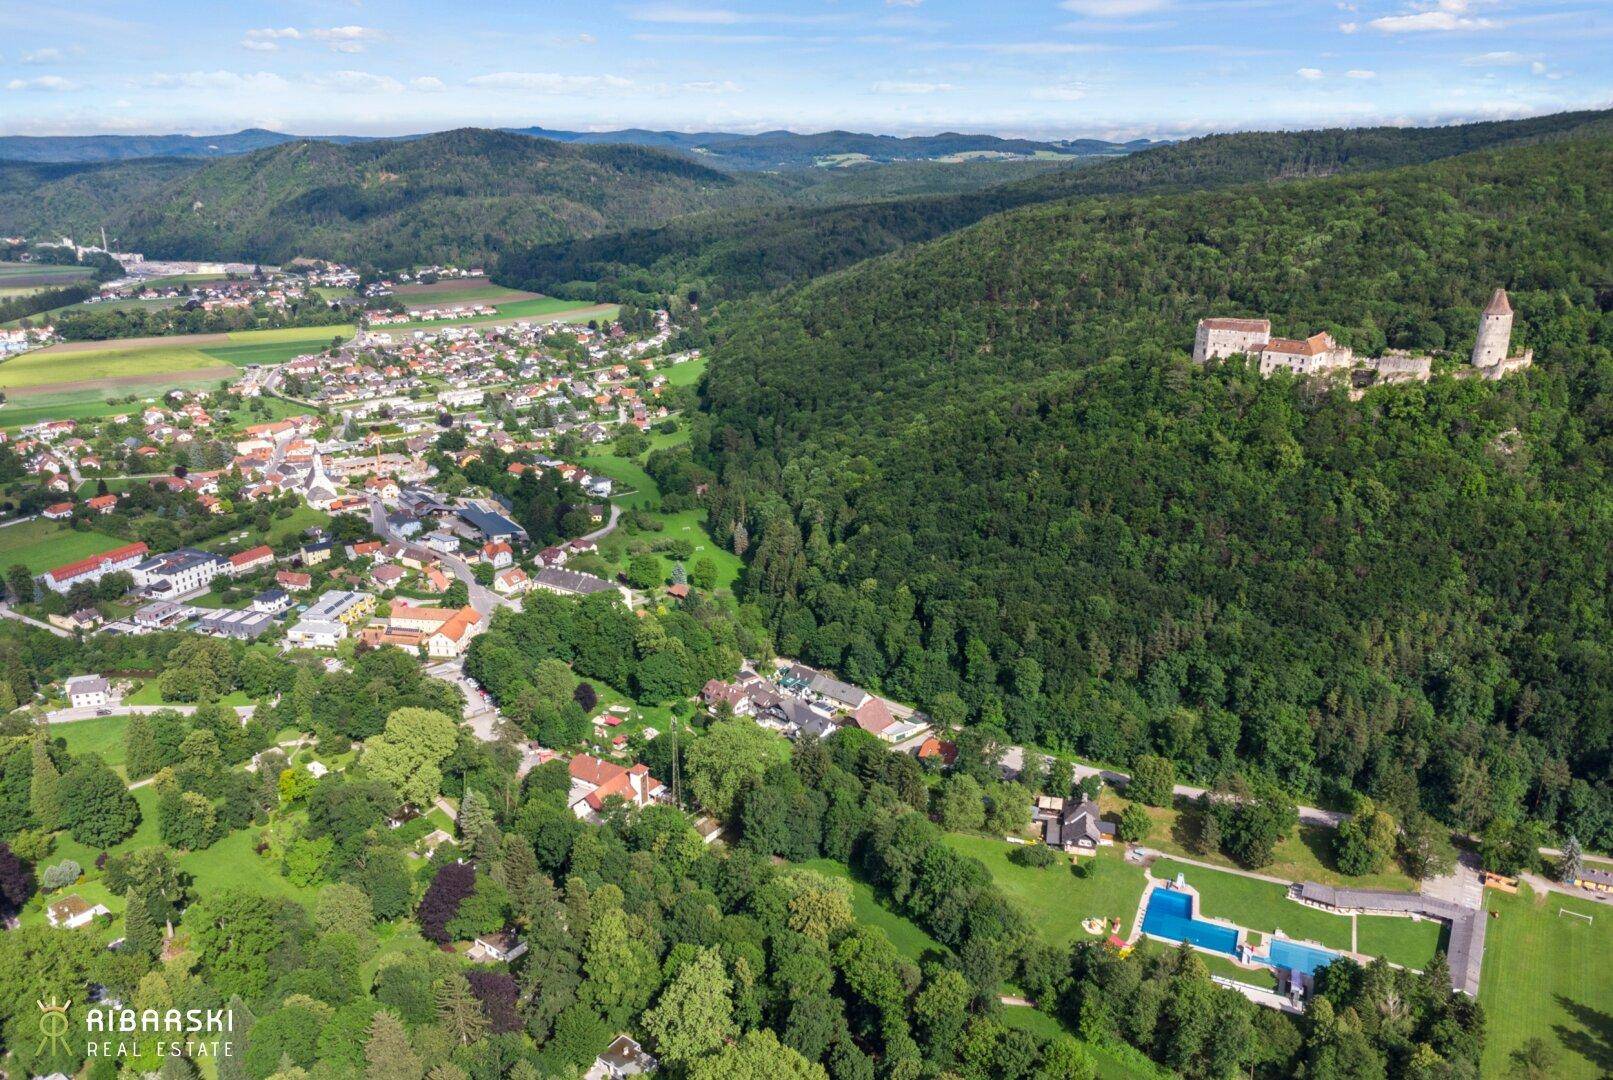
(178, 572)
(498, 554)
(63, 578)
(83, 619)
(1594, 880)
(340, 605)
(433, 840)
(160, 614)
(316, 633)
(293, 581)
(72, 912)
(874, 717)
(1073, 826)
(570, 582)
(678, 592)
(388, 575)
(250, 560)
(842, 695)
(102, 504)
(57, 511)
(624, 1058)
(247, 625)
(594, 780)
(444, 632)
(272, 601)
(499, 948)
(945, 752)
(88, 692)
(512, 580)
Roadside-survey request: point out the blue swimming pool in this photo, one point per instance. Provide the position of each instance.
(1296, 957)
(1170, 915)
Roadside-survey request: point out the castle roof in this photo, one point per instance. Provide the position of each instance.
(1499, 304)
(1247, 326)
(1314, 345)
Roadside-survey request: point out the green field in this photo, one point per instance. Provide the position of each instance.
(472, 292)
(908, 937)
(291, 333)
(103, 735)
(1406, 942)
(685, 374)
(1053, 899)
(299, 520)
(44, 273)
(269, 352)
(563, 311)
(47, 368)
(1548, 975)
(40, 545)
(634, 487)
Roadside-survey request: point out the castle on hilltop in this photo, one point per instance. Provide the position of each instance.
(1320, 354)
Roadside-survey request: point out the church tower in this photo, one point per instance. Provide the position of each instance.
(1495, 332)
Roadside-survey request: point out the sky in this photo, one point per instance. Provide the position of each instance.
(1038, 68)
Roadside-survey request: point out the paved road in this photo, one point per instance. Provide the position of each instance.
(1013, 761)
(482, 598)
(7, 612)
(67, 716)
(599, 534)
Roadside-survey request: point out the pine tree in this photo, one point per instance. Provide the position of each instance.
(1573, 864)
(460, 1012)
(44, 792)
(141, 934)
(741, 538)
(680, 576)
(519, 865)
(387, 1053)
(476, 824)
(8, 699)
(141, 756)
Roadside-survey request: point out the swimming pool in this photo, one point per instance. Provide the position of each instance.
(1170, 915)
(1296, 957)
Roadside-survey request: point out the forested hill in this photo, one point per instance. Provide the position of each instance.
(739, 253)
(455, 196)
(47, 200)
(986, 467)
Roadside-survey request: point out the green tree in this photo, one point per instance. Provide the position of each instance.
(1135, 824)
(756, 1055)
(44, 790)
(1152, 780)
(960, 804)
(387, 1053)
(97, 809)
(409, 753)
(695, 1013)
(645, 571)
(458, 1010)
(730, 755)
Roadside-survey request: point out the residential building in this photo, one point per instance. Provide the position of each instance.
(622, 1060)
(88, 692)
(62, 578)
(250, 560)
(594, 780)
(178, 572)
(571, 582)
(247, 625)
(72, 912)
(499, 948)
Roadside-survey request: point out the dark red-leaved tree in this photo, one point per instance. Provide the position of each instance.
(447, 891)
(586, 696)
(16, 882)
(497, 992)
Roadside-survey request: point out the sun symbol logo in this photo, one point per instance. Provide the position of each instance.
(53, 1024)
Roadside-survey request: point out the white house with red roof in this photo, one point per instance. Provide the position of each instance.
(593, 781)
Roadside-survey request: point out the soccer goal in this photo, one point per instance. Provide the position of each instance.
(1575, 915)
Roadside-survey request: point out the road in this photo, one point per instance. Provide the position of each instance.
(1013, 761)
(482, 598)
(609, 527)
(7, 612)
(67, 716)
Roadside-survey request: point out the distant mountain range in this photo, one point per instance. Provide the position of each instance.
(770, 150)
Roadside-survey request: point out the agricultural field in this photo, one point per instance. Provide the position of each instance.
(50, 368)
(1546, 975)
(459, 291)
(58, 404)
(15, 275)
(40, 544)
(1053, 898)
(541, 308)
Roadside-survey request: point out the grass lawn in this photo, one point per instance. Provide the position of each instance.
(637, 488)
(268, 352)
(1305, 856)
(685, 374)
(909, 938)
(1114, 1063)
(294, 524)
(233, 863)
(103, 735)
(1053, 898)
(1548, 975)
(46, 368)
(151, 694)
(1406, 942)
(40, 545)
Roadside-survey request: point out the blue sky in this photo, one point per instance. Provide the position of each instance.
(1032, 67)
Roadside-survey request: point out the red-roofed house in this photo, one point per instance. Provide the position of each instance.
(94, 568)
(245, 562)
(593, 781)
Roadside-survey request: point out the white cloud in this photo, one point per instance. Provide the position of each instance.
(1349, 27)
(912, 88)
(428, 84)
(1360, 73)
(42, 56)
(1439, 16)
(1311, 74)
(726, 86)
(1060, 92)
(53, 83)
(359, 82)
(673, 13)
(259, 82)
(346, 39)
(1112, 9)
(903, 3)
(267, 39)
(549, 82)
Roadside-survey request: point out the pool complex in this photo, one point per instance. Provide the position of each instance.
(1170, 915)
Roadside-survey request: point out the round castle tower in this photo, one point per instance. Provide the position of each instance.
(1495, 332)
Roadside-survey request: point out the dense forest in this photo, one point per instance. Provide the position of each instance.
(983, 474)
(738, 253)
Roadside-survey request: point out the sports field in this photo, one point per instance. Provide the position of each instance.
(40, 544)
(1548, 975)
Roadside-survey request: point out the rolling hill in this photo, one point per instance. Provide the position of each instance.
(982, 474)
(742, 252)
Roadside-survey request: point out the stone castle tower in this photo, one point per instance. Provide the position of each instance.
(1495, 332)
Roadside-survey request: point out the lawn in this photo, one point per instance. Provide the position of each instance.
(102, 735)
(1113, 1062)
(1548, 975)
(48, 368)
(1307, 855)
(1406, 942)
(908, 937)
(40, 545)
(294, 524)
(233, 863)
(633, 485)
(1053, 899)
(685, 374)
(269, 352)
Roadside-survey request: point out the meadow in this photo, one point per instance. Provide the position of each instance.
(1547, 975)
(102, 735)
(40, 544)
(49, 368)
(1053, 898)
